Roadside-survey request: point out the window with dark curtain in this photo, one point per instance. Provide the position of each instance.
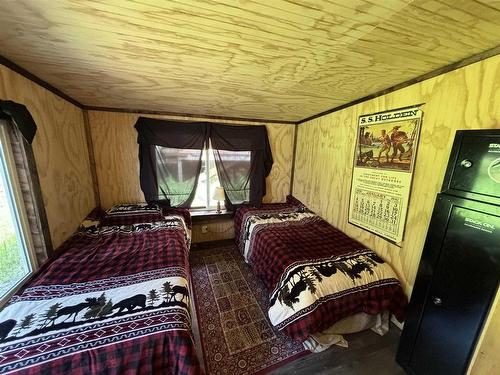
(24, 236)
(170, 155)
(233, 168)
(177, 172)
(243, 159)
(171, 152)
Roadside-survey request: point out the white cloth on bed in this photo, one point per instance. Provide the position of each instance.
(333, 335)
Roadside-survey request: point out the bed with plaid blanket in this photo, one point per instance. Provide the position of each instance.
(115, 300)
(315, 274)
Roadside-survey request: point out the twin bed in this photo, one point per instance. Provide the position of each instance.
(317, 277)
(116, 298)
(114, 301)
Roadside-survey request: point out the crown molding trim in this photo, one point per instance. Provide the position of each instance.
(190, 115)
(26, 74)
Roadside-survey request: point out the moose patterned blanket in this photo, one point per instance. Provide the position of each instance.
(115, 300)
(315, 274)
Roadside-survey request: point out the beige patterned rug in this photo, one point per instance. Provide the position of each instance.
(231, 304)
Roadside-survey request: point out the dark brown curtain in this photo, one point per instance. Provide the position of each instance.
(243, 160)
(22, 130)
(20, 117)
(170, 155)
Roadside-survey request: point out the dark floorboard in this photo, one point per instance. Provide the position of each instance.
(368, 353)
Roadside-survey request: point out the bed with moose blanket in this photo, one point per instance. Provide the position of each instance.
(315, 274)
(115, 300)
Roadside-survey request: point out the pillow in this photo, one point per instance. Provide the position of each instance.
(93, 219)
(290, 199)
(167, 210)
(128, 214)
(133, 209)
(184, 212)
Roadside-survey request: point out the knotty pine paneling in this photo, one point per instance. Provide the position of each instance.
(116, 156)
(281, 60)
(61, 153)
(466, 98)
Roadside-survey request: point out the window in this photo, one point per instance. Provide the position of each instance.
(237, 168)
(207, 182)
(16, 257)
(241, 155)
(176, 170)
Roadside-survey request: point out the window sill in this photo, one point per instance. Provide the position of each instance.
(203, 215)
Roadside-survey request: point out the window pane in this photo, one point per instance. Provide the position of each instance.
(176, 170)
(237, 172)
(207, 185)
(214, 179)
(200, 198)
(14, 263)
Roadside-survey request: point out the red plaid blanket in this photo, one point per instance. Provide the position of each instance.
(316, 275)
(114, 301)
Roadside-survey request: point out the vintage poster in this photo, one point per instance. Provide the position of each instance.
(384, 159)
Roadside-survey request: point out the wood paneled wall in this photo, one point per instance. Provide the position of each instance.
(466, 98)
(61, 153)
(486, 360)
(221, 229)
(116, 156)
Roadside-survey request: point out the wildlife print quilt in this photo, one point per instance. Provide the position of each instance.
(127, 214)
(315, 274)
(115, 301)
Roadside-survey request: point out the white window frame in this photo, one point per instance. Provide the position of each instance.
(207, 206)
(14, 194)
(207, 176)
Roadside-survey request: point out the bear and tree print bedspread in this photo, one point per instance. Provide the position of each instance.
(116, 300)
(315, 274)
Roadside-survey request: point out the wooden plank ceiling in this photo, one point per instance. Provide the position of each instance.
(272, 59)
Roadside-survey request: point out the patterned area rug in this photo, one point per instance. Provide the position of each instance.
(231, 304)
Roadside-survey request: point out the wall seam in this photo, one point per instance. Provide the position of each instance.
(90, 149)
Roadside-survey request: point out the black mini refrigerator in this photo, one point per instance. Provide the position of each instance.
(458, 274)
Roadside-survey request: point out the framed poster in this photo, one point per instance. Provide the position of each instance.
(384, 159)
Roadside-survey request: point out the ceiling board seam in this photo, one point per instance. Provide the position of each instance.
(437, 72)
(487, 5)
(334, 45)
(381, 19)
(444, 5)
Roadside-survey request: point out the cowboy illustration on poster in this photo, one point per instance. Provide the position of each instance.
(383, 167)
(387, 145)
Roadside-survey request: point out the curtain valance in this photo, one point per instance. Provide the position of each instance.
(21, 118)
(242, 156)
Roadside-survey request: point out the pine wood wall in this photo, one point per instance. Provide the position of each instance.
(466, 98)
(116, 158)
(61, 153)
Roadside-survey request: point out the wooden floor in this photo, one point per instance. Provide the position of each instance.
(368, 353)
